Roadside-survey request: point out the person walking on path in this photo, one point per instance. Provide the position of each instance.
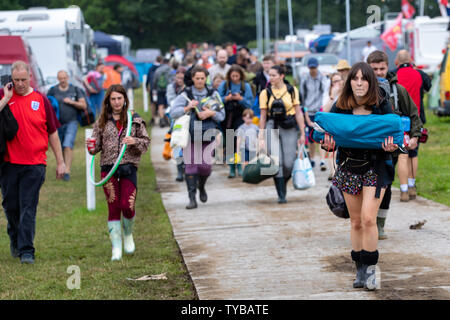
(403, 106)
(173, 90)
(313, 87)
(198, 155)
(336, 85)
(415, 83)
(93, 83)
(161, 80)
(70, 100)
(151, 90)
(363, 174)
(280, 110)
(23, 173)
(247, 138)
(368, 49)
(237, 96)
(221, 67)
(108, 136)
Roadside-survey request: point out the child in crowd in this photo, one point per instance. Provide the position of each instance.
(247, 137)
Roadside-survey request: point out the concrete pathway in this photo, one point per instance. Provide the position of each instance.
(242, 244)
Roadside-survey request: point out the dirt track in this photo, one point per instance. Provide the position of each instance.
(242, 245)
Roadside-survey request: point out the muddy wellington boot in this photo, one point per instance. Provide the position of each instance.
(180, 169)
(115, 235)
(201, 188)
(232, 173)
(191, 182)
(369, 262)
(280, 184)
(239, 169)
(128, 242)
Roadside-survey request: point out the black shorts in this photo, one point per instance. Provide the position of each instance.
(413, 153)
(162, 100)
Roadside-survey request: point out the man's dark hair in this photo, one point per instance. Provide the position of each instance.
(117, 66)
(377, 57)
(159, 59)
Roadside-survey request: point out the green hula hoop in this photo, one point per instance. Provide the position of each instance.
(116, 164)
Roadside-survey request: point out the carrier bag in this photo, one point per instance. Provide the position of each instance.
(302, 173)
(359, 131)
(259, 169)
(180, 132)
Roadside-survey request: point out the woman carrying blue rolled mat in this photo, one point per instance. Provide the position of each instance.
(363, 174)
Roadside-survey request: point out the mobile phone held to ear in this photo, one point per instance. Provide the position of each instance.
(5, 79)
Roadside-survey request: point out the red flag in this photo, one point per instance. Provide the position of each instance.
(444, 2)
(407, 9)
(390, 36)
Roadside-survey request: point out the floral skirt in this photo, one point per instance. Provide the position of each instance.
(352, 183)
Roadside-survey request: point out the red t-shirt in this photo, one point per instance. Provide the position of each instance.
(411, 79)
(37, 120)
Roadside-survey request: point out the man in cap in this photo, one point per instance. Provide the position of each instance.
(312, 88)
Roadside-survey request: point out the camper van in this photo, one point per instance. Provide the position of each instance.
(59, 38)
(425, 40)
(15, 48)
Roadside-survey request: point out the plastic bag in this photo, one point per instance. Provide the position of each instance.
(302, 173)
(180, 132)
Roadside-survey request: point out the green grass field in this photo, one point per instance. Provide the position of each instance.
(69, 235)
(433, 177)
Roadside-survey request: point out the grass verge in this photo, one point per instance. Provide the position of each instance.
(69, 235)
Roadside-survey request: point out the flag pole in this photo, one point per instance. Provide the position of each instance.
(347, 10)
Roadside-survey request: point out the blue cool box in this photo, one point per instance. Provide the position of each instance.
(359, 131)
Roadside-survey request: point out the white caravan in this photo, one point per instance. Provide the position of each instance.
(60, 39)
(426, 39)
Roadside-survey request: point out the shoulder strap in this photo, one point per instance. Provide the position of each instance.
(394, 94)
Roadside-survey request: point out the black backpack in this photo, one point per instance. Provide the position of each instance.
(278, 109)
(336, 202)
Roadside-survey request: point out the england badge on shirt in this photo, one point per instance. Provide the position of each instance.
(35, 105)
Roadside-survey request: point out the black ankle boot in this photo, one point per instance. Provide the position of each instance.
(201, 188)
(281, 189)
(191, 182)
(369, 262)
(359, 281)
(180, 169)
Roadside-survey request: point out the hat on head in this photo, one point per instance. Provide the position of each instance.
(313, 63)
(343, 65)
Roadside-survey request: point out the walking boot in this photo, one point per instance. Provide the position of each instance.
(412, 193)
(232, 171)
(404, 196)
(180, 169)
(115, 235)
(239, 169)
(281, 189)
(380, 224)
(128, 242)
(191, 182)
(201, 188)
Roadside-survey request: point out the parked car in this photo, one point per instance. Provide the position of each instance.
(16, 48)
(327, 64)
(283, 52)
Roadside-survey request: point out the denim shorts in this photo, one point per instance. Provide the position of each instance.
(67, 134)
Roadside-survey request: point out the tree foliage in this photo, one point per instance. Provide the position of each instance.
(161, 23)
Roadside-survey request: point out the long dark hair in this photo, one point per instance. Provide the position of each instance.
(235, 68)
(107, 109)
(347, 99)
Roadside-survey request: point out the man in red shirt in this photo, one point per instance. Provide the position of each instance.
(25, 158)
(415, 83)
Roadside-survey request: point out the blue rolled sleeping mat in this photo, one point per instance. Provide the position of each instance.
(358, 131)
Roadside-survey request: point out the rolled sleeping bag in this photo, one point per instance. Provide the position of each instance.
(359, 131)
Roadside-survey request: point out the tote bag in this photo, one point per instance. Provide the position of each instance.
(302, 174)
(180, 132)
